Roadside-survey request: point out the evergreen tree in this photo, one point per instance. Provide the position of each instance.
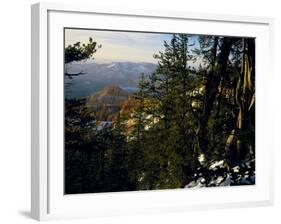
(79, 52)
(179, 115)
(170, 138)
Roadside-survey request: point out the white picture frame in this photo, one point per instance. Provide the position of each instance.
(47, 198)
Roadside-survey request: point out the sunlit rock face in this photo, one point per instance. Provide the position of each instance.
(108, 102)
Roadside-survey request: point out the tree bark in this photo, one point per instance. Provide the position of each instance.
(236, 147)
(212, 84)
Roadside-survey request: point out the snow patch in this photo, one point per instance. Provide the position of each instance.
(111, 65)
(217, 164)
(217, 174)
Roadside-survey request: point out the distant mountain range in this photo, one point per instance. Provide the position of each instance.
(97, 76)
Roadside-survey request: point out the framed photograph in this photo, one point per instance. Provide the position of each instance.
(148, 111)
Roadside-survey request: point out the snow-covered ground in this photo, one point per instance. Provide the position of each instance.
(217, 174)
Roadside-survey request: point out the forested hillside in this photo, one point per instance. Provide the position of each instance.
(185, 126)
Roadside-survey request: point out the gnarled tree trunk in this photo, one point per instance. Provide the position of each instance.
(241, 140)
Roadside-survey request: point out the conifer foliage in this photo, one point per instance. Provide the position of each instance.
(186, 126)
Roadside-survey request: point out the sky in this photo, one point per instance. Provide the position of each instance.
(120, 46)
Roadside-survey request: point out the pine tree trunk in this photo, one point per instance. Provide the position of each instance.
(236, 147)
(212, 84)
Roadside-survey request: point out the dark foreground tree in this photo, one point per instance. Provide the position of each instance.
(184, 127)
(79, 52)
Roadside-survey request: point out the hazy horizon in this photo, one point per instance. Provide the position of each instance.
(120, 46)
